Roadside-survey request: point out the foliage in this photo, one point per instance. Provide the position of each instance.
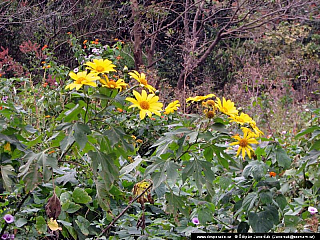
(80, 164)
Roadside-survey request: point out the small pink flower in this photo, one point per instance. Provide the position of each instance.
(312, 210)
(195, 221)
(8, 218)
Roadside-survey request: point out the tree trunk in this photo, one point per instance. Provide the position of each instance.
(137, 34)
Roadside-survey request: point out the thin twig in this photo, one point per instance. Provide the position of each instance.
(124, 210)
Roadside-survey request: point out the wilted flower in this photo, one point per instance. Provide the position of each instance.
(312, 210)
(8, 218)
(195, 221)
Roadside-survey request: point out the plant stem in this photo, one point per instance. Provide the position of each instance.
(124, 210)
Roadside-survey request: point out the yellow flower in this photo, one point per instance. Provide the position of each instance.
(53, 225)
(173, 106)
(199, 98)
(7, 147)
(141, 78)
(226, 107)
(82, 78)
(119, 84)
(147, 104)
(243, 142)
(101, 66)
(256, 129)
(242, 119)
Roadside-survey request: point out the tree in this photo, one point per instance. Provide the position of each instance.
(207, 23)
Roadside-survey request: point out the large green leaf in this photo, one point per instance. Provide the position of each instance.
(81, 196)
(80, 134)
(70, 207)
(263, 221)
(162, 170)
(117, 136)
(249, 201)
(282, 158)
(199, 170)
(102, 195)
(41, 224)
(176, 203)
(109, 171)
(83, 224)
(128, 168)
(308, 130)
(6, 172)
(255, 169)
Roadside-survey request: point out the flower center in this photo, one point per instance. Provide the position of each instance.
(224, 110)
(210, 114)
(143, 81)
(243, 142)
(99, 69)
(112, 84)
(80, 79)
(144, 105)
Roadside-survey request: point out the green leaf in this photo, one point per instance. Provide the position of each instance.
(316, 145)
(80, 134)
(312, 157)
(117, 136)
(73, 113)
(69, 227)
(265, 197)
(282, 157)
(65, 196)
(291, 220)
(281, 201)
(6, 172)
(255, 169)
(263, 221)
(102, 195)
(70, 207)
(66, 142)
(199, 170)
(30, 129)
(41, 224)
(81, 196)
(194, 169)
(208, 153)
(176, 203)
(109, 171)
(83, 224)
(205, 215)
(306, 131)
(224, 182)
(21, 222)
(243, 227)
(136, 162)
(249, 201)
(69, 176)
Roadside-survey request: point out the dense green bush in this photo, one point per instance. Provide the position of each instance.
(90, 154)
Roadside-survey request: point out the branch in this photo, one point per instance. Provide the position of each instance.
(126, 209)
